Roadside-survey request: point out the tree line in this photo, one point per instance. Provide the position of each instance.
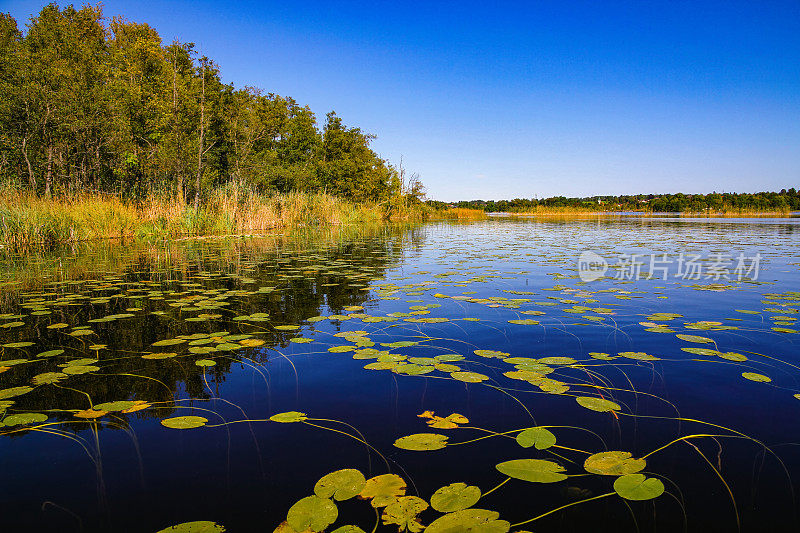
(88, 104)
(785, 200)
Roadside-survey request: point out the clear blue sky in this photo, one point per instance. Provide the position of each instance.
(521, 99)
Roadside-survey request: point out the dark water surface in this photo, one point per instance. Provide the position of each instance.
(450, 289)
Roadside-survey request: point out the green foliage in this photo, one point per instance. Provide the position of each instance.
(92, 104)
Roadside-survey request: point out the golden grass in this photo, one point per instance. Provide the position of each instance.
(463, 213)
(27, 220)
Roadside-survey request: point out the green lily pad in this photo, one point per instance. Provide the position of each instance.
(613, 463)
(202, 526)
(48, 378)
(348, 529)
(695, 338)
(752, 376)
(597, 404)
(312, 513)
(534, 470)
(50, 353)
(184, 422)
(205, 362)
(469, 377)
(383, 489)
(422, 442)
(18, 344)
(469, 521)
(121, 405)
(74, 370)
(23, 418)
(341, 485)
(541, 438)
(491, 353)
(289, 417)
(455, 497)
(403, 512)
(638, 487)
(14, 392)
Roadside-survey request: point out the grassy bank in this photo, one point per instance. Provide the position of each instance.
(725, 212)
(27, 220)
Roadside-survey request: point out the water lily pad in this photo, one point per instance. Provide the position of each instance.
(312, 513)
(638, 487)
(597, 404)
(14, 392)
(169, 342)
(534, 470)
(403, 513)
(613, 463)
(455, 497)
(422, 442)
(20, 419)
(348, 529)
(557, 361)
(48, 378)
(541, 438)
(752, 376)
(184, 422)
(201, 526)
(469, 377)
(695, 338)
(469, 521)
(50, 353)
(74, 370)
(341, 484)
(289, 417)
(18, 344)
(120, 405)
(491, 353)
(383, 489)
(205, 362)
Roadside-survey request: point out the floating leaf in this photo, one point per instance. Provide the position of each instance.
(90, 413)
(312, 513)
(48, 378)
(118, 405)
(194, 527)
(613, 463)
(18, 345)
(422, 442)
(597, 404)
(695, 338)
(14, 392)
(640, 356)
(469, 377)
(184, 422)
(341, 485)
(205, 362)
(20, 419)
(535, 470)
(469, 521)
(752, 376)
(169, 342)
(638, 487)
(289, 417)
(557, 361)
(348, 529)
(491, 353)
(455, 497)
(541, 438)
(50, 353)
(383, 489)
(80, 369)
(403, 512)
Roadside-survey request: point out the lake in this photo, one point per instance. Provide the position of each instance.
(593, 374)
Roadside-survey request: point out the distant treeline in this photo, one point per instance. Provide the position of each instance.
(785, 200)
(91, 104)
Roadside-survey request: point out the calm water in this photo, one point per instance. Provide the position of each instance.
(236, 331)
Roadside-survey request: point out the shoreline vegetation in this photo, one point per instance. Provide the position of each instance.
(106, 132)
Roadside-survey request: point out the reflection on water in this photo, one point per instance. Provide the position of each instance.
(363, 331)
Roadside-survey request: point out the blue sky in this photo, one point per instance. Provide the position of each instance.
(520, 99)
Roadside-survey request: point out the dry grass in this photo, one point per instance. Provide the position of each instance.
(27, 220)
